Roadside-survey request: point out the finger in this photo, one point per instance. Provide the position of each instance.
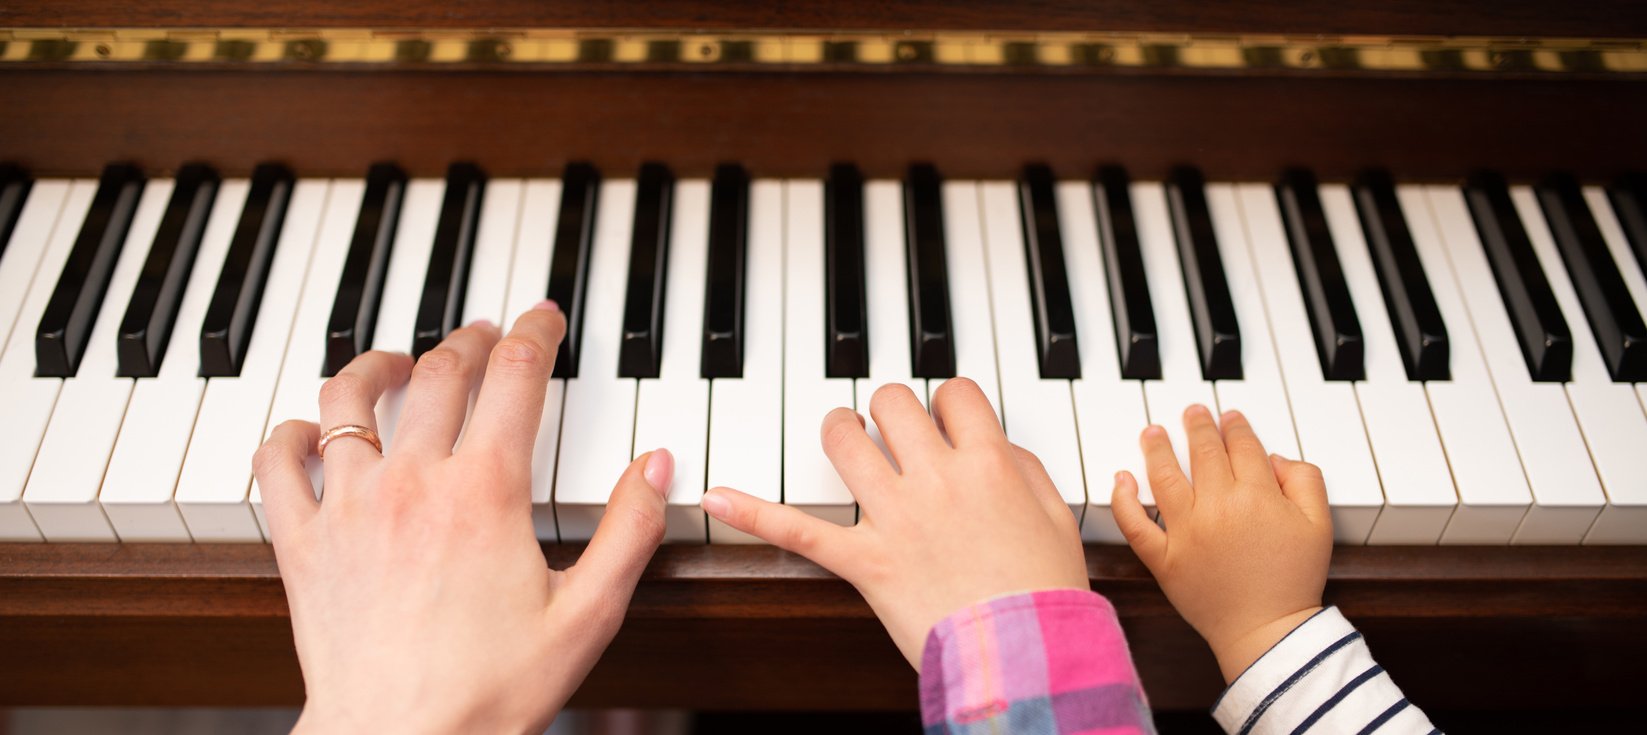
(905, 426)
(854, 455)
(631, 529)
(437, 400)
(350, 398)
(962, 409)
(281, 469)
(1302, 483)
(1248, 460)
(786, 527)
(1209, 464)
(1167, 482)
(510, 405)
(1147, 540)
(1040, 482)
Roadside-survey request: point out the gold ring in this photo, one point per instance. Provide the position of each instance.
(349, 430)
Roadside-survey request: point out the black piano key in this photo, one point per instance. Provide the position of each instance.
(360, 287)
(1629, 198)
(1338, 340)
(71, 312)
(1048, 275)
(1546, 342)
(441, 309)
(1136, 340)
(1212, 312)
(569, 269)
(722, 352)
(152, 312)
(1614, 319)
(640, 354)
(232, 314)
(14, 191)
(845, 300)
(932, 344)
(1420, 333)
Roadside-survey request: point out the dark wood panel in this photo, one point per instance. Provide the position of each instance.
(794, 124)
(755, 628)
(1597, 18)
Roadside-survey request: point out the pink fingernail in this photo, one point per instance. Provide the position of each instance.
(481, 323)
(716, 505)
(660, 465)
(547, 305)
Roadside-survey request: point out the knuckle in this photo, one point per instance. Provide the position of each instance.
(344, 388)
(520, 354)
(441, 363)
(267, 459)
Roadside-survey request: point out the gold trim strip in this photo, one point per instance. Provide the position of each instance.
(552, 48)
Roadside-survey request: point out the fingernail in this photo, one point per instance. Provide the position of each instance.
(1118, 476)
(716, 505)
(1229, 416)
(547, 305)
(1154, 430)
(481, 323)
(1196, 408)
(659, 466)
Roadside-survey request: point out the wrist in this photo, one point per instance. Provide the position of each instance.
(1241, 650)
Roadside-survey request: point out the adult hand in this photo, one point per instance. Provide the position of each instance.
(420, 598)
(1244, 553)
(965, 516)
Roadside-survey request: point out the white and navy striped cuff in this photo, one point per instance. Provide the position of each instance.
(1319, 678)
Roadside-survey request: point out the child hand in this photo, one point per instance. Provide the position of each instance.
(965, 520)
(1244, 554)
(420, 599)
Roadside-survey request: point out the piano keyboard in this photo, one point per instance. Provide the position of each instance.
(1467, 364)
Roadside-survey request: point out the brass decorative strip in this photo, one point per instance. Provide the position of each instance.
(562, 48)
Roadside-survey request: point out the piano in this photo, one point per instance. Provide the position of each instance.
(1411, 245)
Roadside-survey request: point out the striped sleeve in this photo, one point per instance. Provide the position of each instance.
(1052, 662)
(1320, 678)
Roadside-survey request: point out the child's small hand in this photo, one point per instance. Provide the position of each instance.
(966, 520)
(1245, 551)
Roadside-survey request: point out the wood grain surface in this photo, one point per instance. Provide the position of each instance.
(757, 628)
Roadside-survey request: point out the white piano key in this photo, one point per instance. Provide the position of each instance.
(672, 411)
(1609, 414)
(746, 415)
(29, 400)
(1260, 394)
(1181, 382)
(28, 244)
(1325, 414)
(137, 490)
(1619, 522)
(214, 489)
(972, 326)
(810, 482)
(488, 287)
(74, 452)
(1492, 490)
(1109, 410)
(600, 406)
(403, 289)
(528, 284)
(1566, 493)
(297, 391)
(1040, 414)
(886, 296)
(1418, 487)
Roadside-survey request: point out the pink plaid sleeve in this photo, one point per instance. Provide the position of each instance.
(1050, 662)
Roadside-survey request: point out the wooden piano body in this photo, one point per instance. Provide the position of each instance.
(1240, 90)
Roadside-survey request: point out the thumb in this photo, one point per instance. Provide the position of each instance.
(631, 528)
(1148, 541)
(1302, 483)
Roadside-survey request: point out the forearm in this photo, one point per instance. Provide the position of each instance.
(1054, 659)
(1321, 677)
